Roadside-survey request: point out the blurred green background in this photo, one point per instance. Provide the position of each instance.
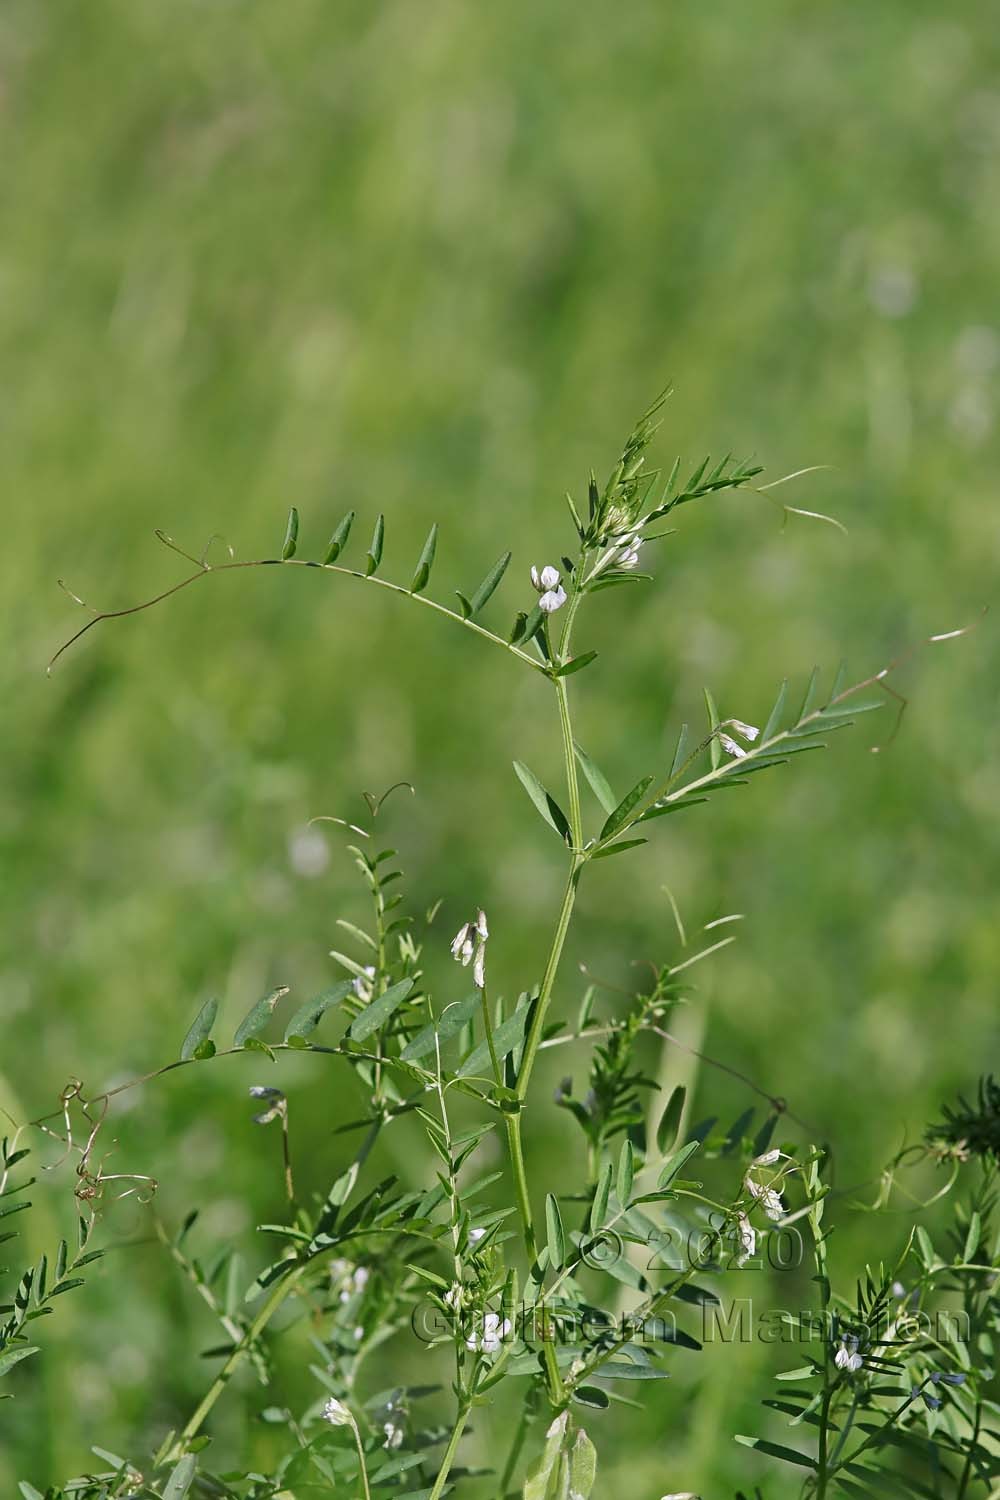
(433, 261)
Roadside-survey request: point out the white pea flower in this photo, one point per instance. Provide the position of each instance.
(337, 1414)
(847, 1356)
(463, 945)
(359, 1334)
(495, 1330)
(548, 584)
(475, 1235)
(362, 984)
(469, 946)
(748, 732)
(681, 1495)
(453, 1296)
(747, 1236)
(628, 551)
(356, 1283)
(393, 1435)
(730, 746)
(768, 1158)
(767, 1197)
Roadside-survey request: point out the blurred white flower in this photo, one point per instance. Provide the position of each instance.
(767, 1158)
(892, 290)
(337, 1414)
(748, 732)
(463, 945)
(356, 1283)
(475, 1235)
(393, 1435)
(547, 583)
(308, 853)
(495, 1330)
(362, 984)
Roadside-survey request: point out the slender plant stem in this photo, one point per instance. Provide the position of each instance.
(361, 1459)
(283, 1289)
(548, 980)
(205, 571)
(449, 1453)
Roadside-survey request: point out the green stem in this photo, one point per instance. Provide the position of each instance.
(534, 1036)
(449, 1453)
(361, 1459)
(260, 1322)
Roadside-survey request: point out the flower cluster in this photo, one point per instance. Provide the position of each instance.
(748, 732)
(494, 1330)
(767, 1196)
(548, 584)
(469, 946)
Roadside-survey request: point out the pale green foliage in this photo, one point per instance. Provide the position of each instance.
(457, 1258)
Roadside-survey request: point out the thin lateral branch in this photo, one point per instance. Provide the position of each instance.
(664, 796)
(205, 570)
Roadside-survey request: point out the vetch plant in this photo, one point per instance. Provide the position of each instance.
(506, 1280)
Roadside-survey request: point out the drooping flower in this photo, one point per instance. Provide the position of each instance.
(469, 946)
(747, 1236)
(495, 1330)
(730, 746)
(276, 1103)
(548, 584)
(463, 945)
(767, 1197)
(748, 732)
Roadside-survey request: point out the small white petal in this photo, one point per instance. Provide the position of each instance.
(730, 745)
(773, 1206)
(481, 927)
(536, 581)
(459, 941)
(854, 1362)
(336, 1413)
(768, 1159)
(748, 731)
(553, 600)
(479, 968)
(748, 1237)
(475, 1235)
(550, 578)
(841, 1359)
